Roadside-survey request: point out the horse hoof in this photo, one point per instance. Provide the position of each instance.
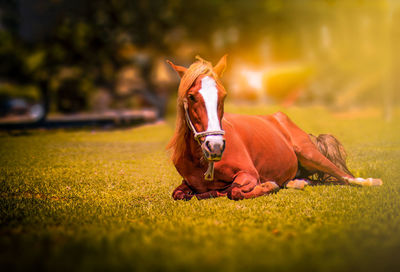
(235, 194)
(365, 182)
(180, 195)
(270, 186)
(297, 184)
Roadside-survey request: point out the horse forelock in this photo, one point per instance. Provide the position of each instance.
(194, 71)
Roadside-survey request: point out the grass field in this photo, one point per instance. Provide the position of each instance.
(101, 200)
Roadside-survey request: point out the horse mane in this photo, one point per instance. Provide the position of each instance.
(177, 144)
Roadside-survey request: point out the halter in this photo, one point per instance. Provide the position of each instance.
(209, 174)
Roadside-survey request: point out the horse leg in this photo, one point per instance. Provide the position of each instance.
(312, 160)
(307, 153)
(210, 194)
(310, 157)
(242, 183)
(182, 192)
(247, 186)
(262, 189)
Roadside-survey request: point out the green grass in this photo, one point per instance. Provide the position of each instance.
(100, 201)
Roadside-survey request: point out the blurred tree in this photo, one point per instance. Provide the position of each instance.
(70, 48)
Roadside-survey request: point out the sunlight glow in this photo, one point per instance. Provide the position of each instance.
(254, 78)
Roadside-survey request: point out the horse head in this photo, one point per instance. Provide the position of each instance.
(201, 102)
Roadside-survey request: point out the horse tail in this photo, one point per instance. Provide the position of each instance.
(332, 149)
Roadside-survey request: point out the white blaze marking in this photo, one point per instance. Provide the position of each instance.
(209, 92)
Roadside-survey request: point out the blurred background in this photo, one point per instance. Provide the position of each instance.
(106, 58)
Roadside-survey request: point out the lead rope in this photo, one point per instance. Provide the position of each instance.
(209, 174)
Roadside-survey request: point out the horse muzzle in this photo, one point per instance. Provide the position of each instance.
(213, 147)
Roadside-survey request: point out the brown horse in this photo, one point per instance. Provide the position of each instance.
(253, 155)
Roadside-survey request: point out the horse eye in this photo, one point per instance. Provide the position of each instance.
(191, 97)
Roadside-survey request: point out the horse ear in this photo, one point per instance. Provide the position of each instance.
(221, 65)
(179, 69)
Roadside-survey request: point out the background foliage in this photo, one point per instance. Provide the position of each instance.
(69, 50)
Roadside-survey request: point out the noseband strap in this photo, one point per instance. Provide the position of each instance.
(209, 174)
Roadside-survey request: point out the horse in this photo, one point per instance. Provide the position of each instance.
(244, 156)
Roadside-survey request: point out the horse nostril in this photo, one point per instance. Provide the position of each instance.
(208, 145)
